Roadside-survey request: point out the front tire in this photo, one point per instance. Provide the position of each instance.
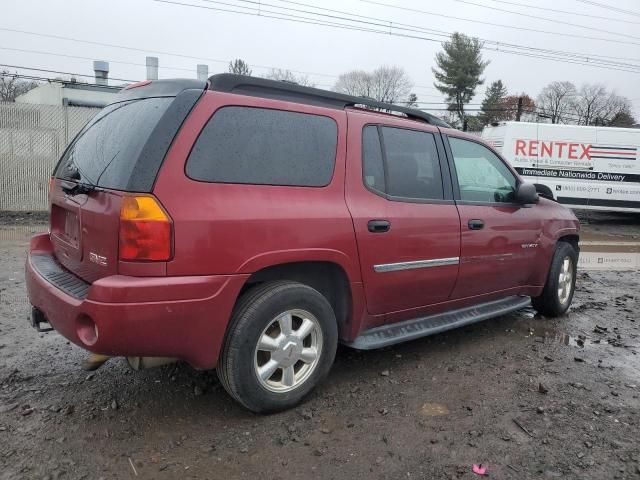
(280, 344)
(558, 292)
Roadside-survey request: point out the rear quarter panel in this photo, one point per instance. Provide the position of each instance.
(233, 228)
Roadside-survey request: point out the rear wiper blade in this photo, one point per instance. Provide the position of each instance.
(75, 174)
(80, 188)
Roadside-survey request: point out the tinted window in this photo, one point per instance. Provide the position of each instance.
(413, 169)
(107, 149)
(482, 176)
(373, 169)
(266, 147)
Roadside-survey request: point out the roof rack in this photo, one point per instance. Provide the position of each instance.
(292, 92)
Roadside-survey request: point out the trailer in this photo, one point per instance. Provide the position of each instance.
(594, 168)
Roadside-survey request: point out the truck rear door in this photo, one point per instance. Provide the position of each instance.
(406, 223)
(116, 153)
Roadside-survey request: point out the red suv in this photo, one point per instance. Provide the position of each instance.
(250, 225)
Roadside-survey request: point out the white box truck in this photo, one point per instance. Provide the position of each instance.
(595, 168)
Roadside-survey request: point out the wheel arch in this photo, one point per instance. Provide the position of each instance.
(328, 278)
(572, 239)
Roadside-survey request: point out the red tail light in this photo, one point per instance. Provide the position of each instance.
(145, 229)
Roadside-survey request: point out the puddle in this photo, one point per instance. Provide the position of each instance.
(570, 341)
(434, 409)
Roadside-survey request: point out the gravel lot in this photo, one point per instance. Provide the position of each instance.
(528, 396)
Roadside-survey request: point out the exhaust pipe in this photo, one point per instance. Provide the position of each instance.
(141, 363)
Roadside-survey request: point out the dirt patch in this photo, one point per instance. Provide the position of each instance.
(23, 218)
(529, 397)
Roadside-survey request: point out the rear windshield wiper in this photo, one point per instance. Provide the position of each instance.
(80, 188)
(74, 174)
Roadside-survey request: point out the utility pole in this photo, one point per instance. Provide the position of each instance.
(519, 111)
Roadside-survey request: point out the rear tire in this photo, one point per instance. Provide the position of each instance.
(281, 342)
(561, 281)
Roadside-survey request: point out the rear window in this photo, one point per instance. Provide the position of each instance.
(410, 166)
(107, 149)
(265, 147)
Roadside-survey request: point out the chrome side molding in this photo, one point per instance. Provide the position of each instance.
(434, 262)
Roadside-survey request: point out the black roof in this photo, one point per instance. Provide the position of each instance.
(292, 92)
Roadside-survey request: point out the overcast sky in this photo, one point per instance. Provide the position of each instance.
(324, 51)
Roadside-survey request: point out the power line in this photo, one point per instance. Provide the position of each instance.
(566, 60)
(476, 108)
(52, 80)
(391, 24)
(74, 74)
(145, 50)
(513, 27)
(589, 59)
(552, 20)
(610, 7)
(595, 62)
(61, 73)
(396, 25)
(528, 5)
(592, 63)
(159, 52)
(40, 52)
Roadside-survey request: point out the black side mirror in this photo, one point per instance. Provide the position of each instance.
(526, 194)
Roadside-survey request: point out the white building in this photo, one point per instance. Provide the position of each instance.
(70, 94)
(74, 93)
(98, 94)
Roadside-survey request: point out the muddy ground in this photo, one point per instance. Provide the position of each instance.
(529, 397)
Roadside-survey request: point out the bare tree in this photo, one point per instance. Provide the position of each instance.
(385, 84)
(12, 86)
(289, 76)
(595, 105)
(391, 84)
(556, 101)
(239, 67)
(356, 82)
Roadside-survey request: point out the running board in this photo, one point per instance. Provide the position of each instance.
(424, 326)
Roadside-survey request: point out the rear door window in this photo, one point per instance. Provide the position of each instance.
(373, 167)
(260, 146)
(407, 166)
(105, 152)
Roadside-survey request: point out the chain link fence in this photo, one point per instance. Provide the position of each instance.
(32, 138)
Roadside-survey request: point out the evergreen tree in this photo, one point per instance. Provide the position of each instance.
(460, 66)
(494, 99)
(412, 101)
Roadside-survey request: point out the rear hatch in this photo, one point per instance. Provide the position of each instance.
(117, 152)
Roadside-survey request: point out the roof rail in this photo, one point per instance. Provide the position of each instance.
(291, 92)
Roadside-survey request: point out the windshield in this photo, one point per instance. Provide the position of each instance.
(107, 149)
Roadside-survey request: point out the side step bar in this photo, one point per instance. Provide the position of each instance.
(424, 326)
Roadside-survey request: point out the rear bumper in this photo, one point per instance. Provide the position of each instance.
(180, 317)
